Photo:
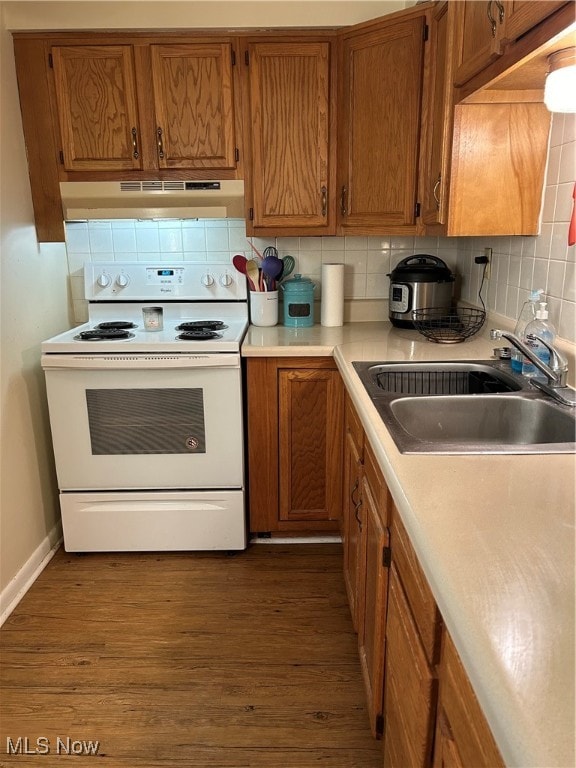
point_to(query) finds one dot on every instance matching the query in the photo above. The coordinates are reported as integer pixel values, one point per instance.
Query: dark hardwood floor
(186, 660)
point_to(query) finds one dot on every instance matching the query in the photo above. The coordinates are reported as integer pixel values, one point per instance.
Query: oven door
(146, 421)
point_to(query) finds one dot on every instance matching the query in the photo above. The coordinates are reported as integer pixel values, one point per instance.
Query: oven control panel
(183, 281)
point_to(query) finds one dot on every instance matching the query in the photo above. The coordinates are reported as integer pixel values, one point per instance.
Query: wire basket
(448, 325)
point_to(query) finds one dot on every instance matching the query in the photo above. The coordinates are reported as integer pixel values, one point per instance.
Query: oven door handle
(106, 362)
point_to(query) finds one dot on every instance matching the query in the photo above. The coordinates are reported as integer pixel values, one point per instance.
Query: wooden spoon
(252, 274)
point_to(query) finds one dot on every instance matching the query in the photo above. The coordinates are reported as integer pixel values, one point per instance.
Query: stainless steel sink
(457, 408)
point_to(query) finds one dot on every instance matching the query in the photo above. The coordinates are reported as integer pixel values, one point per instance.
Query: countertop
(495, 536)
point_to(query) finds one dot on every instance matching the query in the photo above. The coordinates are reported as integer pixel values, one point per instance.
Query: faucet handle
(558, 362)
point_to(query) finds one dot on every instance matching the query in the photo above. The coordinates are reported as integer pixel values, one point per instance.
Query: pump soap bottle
(542, 328)
(527, 314)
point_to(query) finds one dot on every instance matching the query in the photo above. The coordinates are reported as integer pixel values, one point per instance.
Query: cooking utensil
(239, 262)
(256, 251)
(253, 274)
(272, 266)
(270, 250)
(289, 263)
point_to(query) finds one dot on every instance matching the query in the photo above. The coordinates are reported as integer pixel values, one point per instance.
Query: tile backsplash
(518, 264)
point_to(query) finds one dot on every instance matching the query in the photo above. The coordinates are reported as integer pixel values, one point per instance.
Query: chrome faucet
(556, 373)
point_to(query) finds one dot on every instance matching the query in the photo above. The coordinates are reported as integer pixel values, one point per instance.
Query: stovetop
(203, 307)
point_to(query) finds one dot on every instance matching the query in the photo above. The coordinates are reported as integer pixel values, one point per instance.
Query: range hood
(152, 199)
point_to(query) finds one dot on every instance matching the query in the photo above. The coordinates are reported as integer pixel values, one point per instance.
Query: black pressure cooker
(419, 282)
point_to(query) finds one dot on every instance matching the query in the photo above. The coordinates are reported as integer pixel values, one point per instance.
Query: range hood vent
(152, 199)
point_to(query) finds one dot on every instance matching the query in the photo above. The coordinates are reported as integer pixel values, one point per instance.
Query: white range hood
(152, 199)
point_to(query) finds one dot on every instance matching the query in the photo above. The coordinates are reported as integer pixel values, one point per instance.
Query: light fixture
(560, 86)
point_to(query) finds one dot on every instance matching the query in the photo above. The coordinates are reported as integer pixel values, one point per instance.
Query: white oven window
(150, 421)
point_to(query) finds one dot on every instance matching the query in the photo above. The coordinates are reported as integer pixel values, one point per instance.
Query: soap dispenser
(527, 314)
(541, 328)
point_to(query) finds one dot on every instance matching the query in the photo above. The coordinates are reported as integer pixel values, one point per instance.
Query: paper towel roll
(332, 307)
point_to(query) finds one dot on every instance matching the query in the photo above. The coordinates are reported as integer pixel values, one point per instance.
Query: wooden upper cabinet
(439, 119)
(486, 28)
(97, 109)
(379, 130)
(522, 15)
(145, 107)
(194, 105)
(289, 123)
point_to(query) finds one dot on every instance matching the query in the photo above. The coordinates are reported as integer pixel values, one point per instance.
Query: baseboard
(27, 575)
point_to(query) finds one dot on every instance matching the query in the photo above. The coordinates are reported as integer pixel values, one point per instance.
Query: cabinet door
(410, 687)
(289, 125)
(522, 15)
(439, 118)
(310, 444)
(463, 735)
(380, 126)
(194, 105)
(97, 110)
(479, 34)
(352, 510)
(373, 600)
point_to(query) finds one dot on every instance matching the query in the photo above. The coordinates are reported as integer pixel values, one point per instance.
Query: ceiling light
(560, 86)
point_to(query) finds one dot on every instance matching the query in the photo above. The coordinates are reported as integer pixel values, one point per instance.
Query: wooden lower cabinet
(295, 437)
(463, 737)
(412, 650)
(375, 551)
(418, 696)
(352, 512)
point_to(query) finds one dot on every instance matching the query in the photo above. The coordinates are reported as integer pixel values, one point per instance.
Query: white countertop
(495, 536)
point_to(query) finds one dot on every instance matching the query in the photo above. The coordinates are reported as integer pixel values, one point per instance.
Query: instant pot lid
(422, 268)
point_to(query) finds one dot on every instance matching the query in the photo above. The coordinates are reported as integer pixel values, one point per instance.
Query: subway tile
(100, 239)
(564, 202)
(199, 256)
(527, 274)
(556, 278)
(554, 306)
(194, 239)
(124, 240)
(557, 129)
(357, 259)
(355, 243)
(559, 241)
(378, 262)
(309, 263)
(567, 170)
(553, 167)
(567, 324)
(540, 277)
(569, 292)
(402, 243)
(549, 203)
(543, 241)
(512, 301)
(147, 240)
(333, 243)
(514, 270)
(77, 239)
(217, 239)
(378, 243)
(569, 133)
(377, 286)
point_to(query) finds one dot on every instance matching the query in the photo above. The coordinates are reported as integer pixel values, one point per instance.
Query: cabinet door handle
(135, 153)
(491, 18)
(435, 191)
(160, 143)
(357, 516)
(343, 194)
(324, 197)
(500, 11)
(353, 491)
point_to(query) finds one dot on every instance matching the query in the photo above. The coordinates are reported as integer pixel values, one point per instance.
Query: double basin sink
(466, 407)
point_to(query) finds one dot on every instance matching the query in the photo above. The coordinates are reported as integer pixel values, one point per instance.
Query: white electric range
(146, 413)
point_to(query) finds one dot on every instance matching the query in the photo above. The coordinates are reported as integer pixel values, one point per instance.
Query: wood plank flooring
(186, 660)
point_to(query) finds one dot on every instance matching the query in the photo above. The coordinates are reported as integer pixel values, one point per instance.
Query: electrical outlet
(488, 268)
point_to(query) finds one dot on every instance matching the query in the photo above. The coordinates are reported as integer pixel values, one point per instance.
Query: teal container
(298, 302)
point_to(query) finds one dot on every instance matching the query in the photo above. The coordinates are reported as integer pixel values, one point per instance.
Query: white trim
(27, 575)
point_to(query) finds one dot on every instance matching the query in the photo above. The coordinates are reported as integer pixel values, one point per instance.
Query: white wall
(195, 14)
(34, 305)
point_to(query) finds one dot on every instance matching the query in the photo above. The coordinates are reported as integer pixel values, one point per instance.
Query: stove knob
(226, 280)
(122, 281)
(207, 280)
(103, 280)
